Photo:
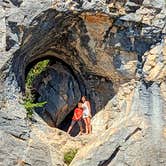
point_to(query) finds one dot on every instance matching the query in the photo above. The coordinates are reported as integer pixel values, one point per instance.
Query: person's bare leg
(89, 125)
(81, 128)
(71, 126)
(86, 125)
(69, 129)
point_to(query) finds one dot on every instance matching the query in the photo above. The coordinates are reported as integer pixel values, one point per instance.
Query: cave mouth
(87, 51)
(53, 81)
(74, 69)
(62, 87)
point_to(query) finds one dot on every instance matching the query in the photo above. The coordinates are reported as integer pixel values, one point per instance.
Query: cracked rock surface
(113, 51)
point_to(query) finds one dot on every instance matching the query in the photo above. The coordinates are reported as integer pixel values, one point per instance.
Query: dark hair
(85, 97)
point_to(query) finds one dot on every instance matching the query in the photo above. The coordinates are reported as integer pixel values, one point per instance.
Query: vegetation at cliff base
(69, 156)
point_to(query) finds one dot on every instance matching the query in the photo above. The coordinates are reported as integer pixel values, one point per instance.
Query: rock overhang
(94, 40)
(92, 43)
(49, 37)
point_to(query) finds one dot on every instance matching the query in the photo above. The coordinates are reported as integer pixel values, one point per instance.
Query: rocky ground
(113, 51)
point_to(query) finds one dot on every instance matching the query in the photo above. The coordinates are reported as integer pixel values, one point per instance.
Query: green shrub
(69, 156)
(35, 71)
(29, 97)
(29, 106)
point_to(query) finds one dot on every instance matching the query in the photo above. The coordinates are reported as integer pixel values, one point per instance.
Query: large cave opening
(82, 61)
(51, 80)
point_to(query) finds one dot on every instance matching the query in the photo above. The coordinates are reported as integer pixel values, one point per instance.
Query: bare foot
(80, 133)
(86, 133)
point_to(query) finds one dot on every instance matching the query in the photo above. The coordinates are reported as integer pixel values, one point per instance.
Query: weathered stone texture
(59, 89)
(116, 51)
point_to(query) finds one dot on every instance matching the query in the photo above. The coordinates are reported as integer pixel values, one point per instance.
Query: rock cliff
(112, 51)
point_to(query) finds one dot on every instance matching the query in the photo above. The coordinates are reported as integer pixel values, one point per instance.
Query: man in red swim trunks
(77, 117)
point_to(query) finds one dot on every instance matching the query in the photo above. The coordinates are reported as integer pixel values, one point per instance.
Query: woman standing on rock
(87, 114)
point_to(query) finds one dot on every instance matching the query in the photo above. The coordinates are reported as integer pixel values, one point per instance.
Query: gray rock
(156, 3)
(59, 89)
(105, 44)
(119, 144)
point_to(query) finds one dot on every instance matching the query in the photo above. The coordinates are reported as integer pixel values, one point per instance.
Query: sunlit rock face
(116, 54)
(131, 123)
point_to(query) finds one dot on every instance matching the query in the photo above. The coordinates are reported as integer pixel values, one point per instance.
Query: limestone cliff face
(113, 51)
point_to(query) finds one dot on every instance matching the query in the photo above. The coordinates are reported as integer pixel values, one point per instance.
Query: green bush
(69, 156)
(29, 97)
(29, 106)
(35, 71)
